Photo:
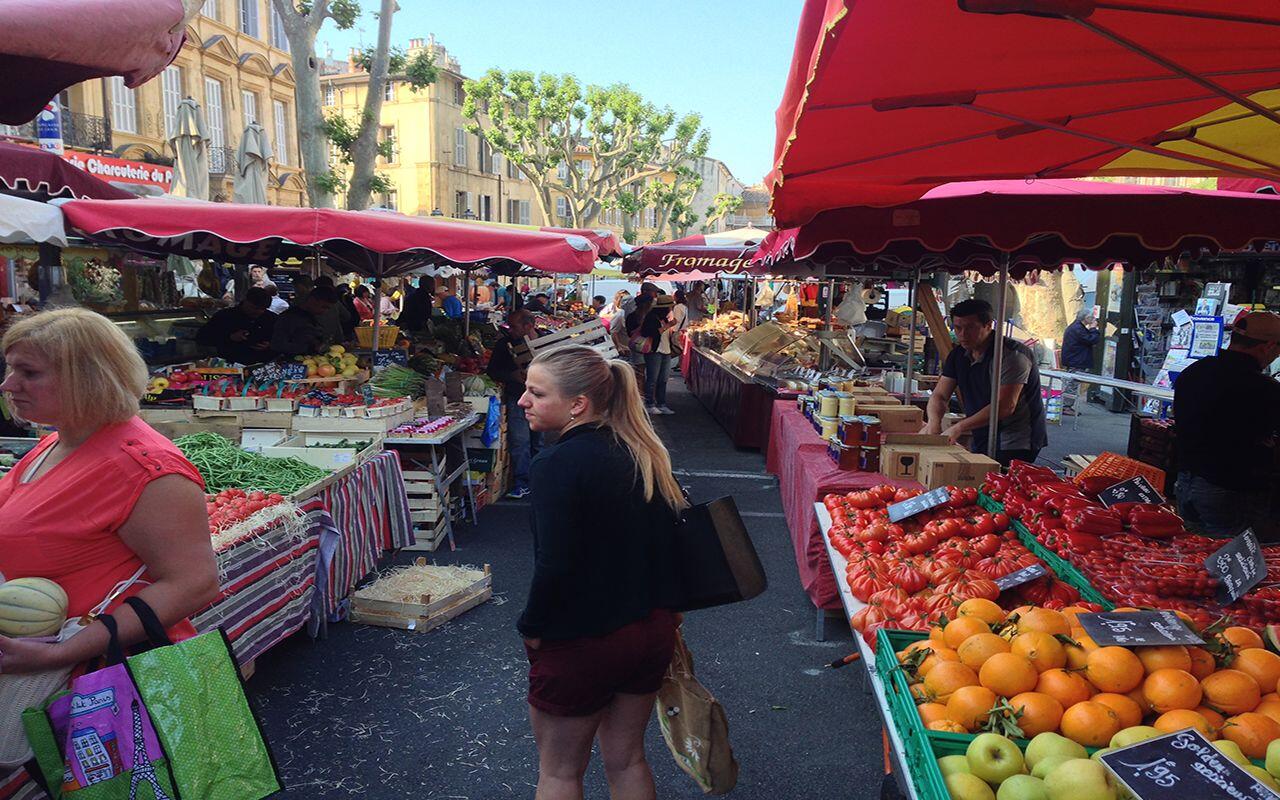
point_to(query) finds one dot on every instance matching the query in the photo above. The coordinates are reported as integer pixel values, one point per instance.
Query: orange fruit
(1008, 674)
(919, 694)
(1231, 691)
(975, 650)
(946, 677)
(1216, 720)
(1078, 654)
(1019, 611)
(1043, 619)
(1039, 713)
(938, 655)
(1167, 689)
(1071, 612)
(1252, 731)
(1068, 688)
(1126, 708)
(1041, 649)
(1172, 656)
(1180, 718)
(1089, 723)
(982, 608)
(932, 711)
(1113, 669)
(1141, 699)
(1242, 637)
(962, 628)
(970, 705)
(1261, 665)
(1270, 706)
(1202, 663)
(946, 726)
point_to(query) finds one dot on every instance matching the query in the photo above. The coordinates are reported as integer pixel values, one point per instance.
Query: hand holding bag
(714, 561)
(694, 725)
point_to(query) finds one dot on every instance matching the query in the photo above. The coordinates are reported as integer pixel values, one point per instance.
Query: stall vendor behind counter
(242, 334)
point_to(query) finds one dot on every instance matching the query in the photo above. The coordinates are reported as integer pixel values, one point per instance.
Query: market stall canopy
(379, 244)
(23, 221)
(888, 98)
(52, 46)
(605, 241)
(729, 251)
(1041, 223)
(35, 173)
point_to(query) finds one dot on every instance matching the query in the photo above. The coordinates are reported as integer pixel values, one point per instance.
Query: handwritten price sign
(1137, 628)
(1182, 765)
(1239, 565)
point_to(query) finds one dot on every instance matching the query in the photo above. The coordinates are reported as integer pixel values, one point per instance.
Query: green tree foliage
(722, 205)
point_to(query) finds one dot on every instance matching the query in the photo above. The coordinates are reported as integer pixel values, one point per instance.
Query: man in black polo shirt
(1228, 414)
(522, 443)
(969, 368)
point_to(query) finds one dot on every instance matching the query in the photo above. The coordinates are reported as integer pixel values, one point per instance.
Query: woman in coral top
(102, 500)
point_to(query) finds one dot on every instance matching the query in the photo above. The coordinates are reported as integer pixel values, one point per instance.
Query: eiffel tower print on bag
(170, 723)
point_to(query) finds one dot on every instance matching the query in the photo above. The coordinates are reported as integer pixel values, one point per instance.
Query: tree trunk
(313, 144)
(364, 153)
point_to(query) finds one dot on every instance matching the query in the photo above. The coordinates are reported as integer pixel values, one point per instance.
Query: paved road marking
(764, 514)
(711, 473)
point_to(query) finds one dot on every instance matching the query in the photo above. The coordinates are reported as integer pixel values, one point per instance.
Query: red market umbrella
(730, 251)
(1044, 223)
(48, 46)
(887, 98)
(31, 171)
(605, 241)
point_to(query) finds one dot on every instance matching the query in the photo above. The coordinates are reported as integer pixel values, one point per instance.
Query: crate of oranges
(1033, 678)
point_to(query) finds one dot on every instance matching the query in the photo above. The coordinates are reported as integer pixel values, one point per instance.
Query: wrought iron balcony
(78, 130)
(222, 161)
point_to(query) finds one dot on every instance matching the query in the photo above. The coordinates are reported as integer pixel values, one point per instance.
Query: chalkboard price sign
(1137, 628)
(1238, 565)
(1182, 765)
(1020, 577)
(921, 502)
(1134, 490)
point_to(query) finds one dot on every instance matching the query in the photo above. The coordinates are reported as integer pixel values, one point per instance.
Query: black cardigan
(599, 547)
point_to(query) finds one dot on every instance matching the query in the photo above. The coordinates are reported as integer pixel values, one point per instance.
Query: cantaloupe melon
(31, 607)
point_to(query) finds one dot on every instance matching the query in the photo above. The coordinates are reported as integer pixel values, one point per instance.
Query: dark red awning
(31, 171)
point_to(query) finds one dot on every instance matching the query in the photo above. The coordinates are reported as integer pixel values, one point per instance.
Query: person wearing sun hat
(1227, 411)
(657, 362)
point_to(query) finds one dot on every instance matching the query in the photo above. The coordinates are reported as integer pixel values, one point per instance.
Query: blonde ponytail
(611, 387)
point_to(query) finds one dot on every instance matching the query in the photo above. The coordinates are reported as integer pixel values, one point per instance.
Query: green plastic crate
(917, 754)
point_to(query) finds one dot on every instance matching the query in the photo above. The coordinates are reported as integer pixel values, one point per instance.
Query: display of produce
(924, 568)
(397, 381)
(31, 607)
(335, 362)
(1134, 554)
(230, 507)
(224, 465)
(422, 428)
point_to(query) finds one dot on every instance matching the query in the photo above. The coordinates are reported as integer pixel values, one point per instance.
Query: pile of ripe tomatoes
(232, 506)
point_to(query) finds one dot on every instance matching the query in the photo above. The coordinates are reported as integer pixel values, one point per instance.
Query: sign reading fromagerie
(695, 259)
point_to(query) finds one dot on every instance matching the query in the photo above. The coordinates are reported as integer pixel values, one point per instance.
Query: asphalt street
(378, 713)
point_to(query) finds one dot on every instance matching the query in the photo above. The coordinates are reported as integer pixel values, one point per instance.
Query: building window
(387, 133)
(584, 167)
(459, 93)
(249, 106)
(391, 200)
(513, 171)
(652, 213)
(329, 95)
(496, 165)
(280, 112)
(389, 91)
(562, 208)
(459, 147)
(486, 207)
(210, 9)
(171, 93)
(249, 17)
(213, 112)
(562, 171)
(483, 156)
(279, 38)
(512, 211)
(124, 107)
(524, 212)
(462, 204)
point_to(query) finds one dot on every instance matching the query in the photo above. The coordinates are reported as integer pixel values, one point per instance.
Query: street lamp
(436, 212)
(469, 215)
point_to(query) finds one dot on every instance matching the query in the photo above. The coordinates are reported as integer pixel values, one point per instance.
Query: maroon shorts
(578, 677)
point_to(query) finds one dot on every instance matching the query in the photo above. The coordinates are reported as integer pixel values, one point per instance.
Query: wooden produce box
(592, 334)
(428, 511)
(425, 611)
(351, 425)
(299, 447)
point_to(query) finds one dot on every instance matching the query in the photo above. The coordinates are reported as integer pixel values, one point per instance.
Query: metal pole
(997, 361)
(377, 304)
(831, 302)
(466, 302)
(750, 296)
(911, 343)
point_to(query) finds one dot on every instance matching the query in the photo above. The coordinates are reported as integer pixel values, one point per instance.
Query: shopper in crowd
(679, 322)
(242, 334)
(656, 327)
(619, 298)
(969, 368)
(447, 301)
(647, 289)
(387, 304)
(538, 304)
(302, 286)
(301, 330)
(597, 304)
(104, 501)
(1228, 413)
(278, 303)
(499, 294)
(597, 632)
(417, 307)
(696, 302)
(630, 334)
(336, 317)
(350, 316)
(363, 302)
(522, 442)
(1078, 341)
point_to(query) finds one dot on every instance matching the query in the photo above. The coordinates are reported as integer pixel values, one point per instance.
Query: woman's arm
(557, 542)
(169, 530)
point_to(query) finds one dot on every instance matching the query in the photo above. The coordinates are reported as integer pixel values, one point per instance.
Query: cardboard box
(894, 418)
(900, 453)
(954, 467)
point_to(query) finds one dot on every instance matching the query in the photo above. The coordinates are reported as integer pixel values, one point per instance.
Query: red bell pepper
(1097, 521)
(1083, 542)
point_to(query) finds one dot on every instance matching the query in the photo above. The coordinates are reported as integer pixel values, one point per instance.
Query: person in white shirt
(278, 303)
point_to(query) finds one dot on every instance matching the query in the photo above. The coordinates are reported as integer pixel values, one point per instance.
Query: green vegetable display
(343, 443)
(396, 381)
(223, 465)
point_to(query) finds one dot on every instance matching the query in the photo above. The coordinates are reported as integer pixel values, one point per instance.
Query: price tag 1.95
(1137, 628)
(921, 502)
(1182, 765)
(1134, 490)
(1239, 565)
(1020, 577)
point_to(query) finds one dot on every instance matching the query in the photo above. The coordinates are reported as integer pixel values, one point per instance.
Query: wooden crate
(1075, 464)
(427, 537)
(427, 614)
(592, 334)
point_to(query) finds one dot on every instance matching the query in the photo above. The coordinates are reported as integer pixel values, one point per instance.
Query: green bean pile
(223, 465)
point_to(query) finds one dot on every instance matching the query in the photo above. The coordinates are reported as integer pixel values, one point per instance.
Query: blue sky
(726, 59)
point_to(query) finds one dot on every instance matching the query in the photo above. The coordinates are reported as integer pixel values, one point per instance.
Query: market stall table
(411, 448)
(735, 400)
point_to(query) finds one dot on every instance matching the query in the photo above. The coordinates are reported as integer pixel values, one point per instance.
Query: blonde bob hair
(99, 370)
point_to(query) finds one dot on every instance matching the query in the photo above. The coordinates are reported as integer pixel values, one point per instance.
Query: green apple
(948, 765)
(1022, 787)
(1100, 752)
(1052, 744)
(1263, 776)
(1048, 764)
(993, 757)
(1080, 779)
(1273, 758)
(1135, 734)
(963, 786)
(1233, 751)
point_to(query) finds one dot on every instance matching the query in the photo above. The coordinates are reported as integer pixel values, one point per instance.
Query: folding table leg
(440, 493)
(820, 628)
